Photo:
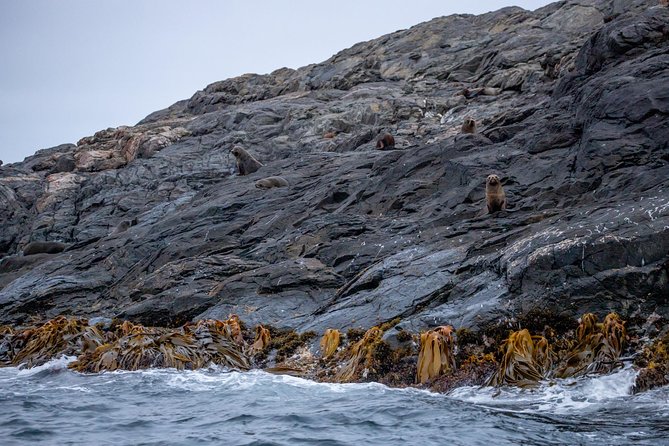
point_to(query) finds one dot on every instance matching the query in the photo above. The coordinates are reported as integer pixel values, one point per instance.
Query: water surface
(52, 405)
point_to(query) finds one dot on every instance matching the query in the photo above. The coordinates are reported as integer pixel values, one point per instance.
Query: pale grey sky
(72, 67)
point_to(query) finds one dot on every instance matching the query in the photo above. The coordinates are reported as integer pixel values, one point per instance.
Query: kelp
(287, 342)
(598, 347)
(234, 328)
(7, 347)
(261, 341)
(653, 365)
(359, 359)
(436, 354)
(191, 347)
(57, 337)
(523, 359)
(330, 343)
(473, 371)
(525, 362)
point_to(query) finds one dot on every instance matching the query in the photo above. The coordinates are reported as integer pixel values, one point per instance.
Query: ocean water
(52, 405)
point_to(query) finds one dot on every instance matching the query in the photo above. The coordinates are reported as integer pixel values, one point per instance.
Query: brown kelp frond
(526, 360)
(216, 338)
(653, 363)
(127, 328)
(261, 340)
(598, 347)
(234, 328)
(615, 333)
(191, 347)
(587, 326)
(59, 336)
(330, 342)
(436, 355)
(359, 359)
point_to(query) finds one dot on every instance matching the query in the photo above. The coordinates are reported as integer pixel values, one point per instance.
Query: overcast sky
(72, 67)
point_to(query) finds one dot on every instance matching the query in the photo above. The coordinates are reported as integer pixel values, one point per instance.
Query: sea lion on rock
(124, 225)
(386, 142)
(246, 164)
(43, 248)
(494, 194)
(271, 182)
(15, 263)
(469, 126)
(471, 93)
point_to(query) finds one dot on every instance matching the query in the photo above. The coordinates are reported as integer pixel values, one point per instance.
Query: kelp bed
(440, 359)
(126, 346)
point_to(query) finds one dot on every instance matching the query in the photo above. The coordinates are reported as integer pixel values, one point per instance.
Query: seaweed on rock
(59, 336)
(330, 342)
(191, 347)
(527, 359)
(653, 363)
(436, 355)
(598, 347)
(361, 358)
(261, 340)
(287, 342)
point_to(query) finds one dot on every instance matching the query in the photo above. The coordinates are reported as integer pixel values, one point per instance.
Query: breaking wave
(53, 405)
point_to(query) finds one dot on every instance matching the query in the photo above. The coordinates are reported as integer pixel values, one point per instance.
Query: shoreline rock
(571, 113)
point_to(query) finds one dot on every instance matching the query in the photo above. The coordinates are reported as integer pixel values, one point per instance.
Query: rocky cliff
(572, 106)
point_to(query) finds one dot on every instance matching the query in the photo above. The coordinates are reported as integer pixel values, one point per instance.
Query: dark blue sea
(52, 405)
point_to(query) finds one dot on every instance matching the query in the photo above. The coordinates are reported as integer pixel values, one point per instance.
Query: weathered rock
(576, 129)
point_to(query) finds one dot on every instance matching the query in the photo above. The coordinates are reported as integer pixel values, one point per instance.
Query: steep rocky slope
(577, 128)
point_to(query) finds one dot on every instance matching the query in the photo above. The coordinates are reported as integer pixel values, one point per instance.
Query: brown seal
(470, 93)
(246, 164)
(270, 182)
(386, 142)
(124, 225)
(469, 126)
(43, 248)
(494, 194)
(15, 263)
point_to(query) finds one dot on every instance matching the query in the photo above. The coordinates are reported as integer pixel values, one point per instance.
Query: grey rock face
(572, 114)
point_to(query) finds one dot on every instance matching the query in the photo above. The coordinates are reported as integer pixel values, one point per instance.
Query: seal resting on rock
(470, 93)
(386, 142)
(271, 182)
(124, 225)
(15, 263)
(494, 194)
(43, 248)
(469, 126)
(246, 164)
